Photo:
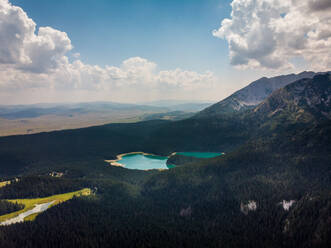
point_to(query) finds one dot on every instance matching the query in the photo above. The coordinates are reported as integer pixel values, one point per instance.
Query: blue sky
(147, 50)
(172, 33)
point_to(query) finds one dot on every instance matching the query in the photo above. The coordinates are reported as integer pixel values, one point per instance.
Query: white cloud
(320, 5)
(133, 73)
(76, 55)
(271, 33)
(38, 59)
(23, 48)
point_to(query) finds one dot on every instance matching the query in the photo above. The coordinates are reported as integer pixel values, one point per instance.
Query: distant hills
(34, 118)
(253, 94)
(66, 109)
(180, 105)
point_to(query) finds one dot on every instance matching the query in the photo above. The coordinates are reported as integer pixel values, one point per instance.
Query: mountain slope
(252, 94)
(306, 100)
(286, 160)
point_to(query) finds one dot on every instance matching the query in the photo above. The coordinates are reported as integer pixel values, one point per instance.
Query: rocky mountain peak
(305, 99)
(253, 94)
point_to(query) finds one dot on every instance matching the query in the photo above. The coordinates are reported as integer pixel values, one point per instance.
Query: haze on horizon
(141, 51)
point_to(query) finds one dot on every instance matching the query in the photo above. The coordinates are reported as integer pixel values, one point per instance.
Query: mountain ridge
(253, 94)
(306, 99)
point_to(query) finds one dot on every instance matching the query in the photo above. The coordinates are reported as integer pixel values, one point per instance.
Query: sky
(147, 50)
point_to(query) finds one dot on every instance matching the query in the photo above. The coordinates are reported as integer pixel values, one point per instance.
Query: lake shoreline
(119, 157)
(114, 162)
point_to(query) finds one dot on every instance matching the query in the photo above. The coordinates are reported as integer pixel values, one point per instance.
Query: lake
(143, 162)
(201, 154)
(140, 161)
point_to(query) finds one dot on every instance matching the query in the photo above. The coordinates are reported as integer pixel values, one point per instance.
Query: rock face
(186, 212)
(303, 100)
(253, 94)
(287, 204)
(250, 206)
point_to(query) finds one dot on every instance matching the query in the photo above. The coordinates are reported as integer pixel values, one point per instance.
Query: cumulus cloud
(23, 48)
(271, 33)
(320, 5)
(31, 58)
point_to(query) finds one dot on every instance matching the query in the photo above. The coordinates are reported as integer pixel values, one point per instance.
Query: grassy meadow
(30, 203)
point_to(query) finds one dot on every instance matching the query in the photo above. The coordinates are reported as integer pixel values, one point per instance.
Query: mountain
(304, 100)
(272, 188)
(253, 94)
(302, 104)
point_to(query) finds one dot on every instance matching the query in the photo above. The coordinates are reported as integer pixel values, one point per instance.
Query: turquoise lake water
(148, 162)
(143, 162)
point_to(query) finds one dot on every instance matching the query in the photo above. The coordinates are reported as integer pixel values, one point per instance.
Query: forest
(269, 160)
